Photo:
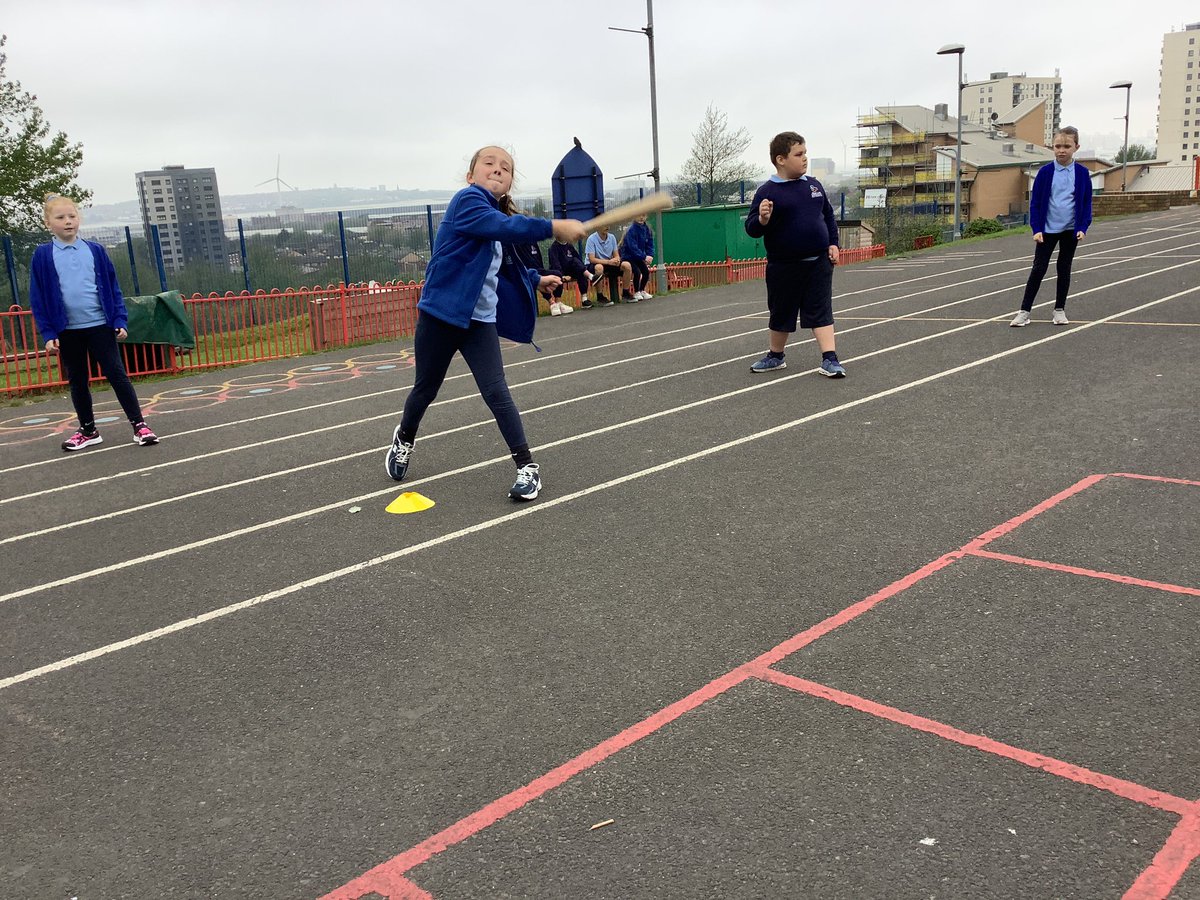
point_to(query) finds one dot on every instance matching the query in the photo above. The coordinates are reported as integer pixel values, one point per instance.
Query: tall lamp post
(957, 50)
(1125, 152)
(654, 173)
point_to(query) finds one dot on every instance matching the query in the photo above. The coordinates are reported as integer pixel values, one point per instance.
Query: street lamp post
(654, 173)
(1125, 152)
(957, 50)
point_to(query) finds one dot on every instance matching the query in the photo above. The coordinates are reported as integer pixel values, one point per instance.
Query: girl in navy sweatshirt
(476, 291)
(80, 313)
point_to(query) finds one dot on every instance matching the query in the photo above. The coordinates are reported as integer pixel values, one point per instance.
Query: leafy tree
(1136, 152)
(716, 163)
(33, 162)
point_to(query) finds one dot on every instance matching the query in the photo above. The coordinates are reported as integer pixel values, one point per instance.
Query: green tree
(716, 162)
(1136, 152)
(33, 162)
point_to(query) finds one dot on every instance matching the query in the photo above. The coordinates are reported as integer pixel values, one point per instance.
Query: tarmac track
(926, 631)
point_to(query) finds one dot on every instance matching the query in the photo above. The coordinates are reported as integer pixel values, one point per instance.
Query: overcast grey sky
(366, 92)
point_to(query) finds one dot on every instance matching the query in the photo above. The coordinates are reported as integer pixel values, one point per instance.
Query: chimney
(942, 110)
(1008, 149)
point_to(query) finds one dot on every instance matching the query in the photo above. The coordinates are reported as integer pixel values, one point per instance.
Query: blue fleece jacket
(45, 292)
(802, 223)
(638, 242)
(1039, 199)
(462, 254)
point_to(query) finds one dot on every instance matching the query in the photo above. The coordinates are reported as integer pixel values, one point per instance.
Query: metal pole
(958, 160)
(658, 220)
(345, 261)
(158, 258)
(429, 226)
(11, 265)
(137, 288)
(245, 261)
(1125, 158)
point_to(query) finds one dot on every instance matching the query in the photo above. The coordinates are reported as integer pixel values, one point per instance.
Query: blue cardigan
(462, 255)
(1039, 200)
(45, 292)
(639, 241)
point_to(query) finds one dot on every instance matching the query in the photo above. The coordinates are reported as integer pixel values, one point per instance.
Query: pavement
(926, 631)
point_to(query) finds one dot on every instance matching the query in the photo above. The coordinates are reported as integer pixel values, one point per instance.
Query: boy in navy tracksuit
(1060, 211)
(795, 219)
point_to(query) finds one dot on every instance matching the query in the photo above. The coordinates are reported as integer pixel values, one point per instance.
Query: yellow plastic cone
(409, 502)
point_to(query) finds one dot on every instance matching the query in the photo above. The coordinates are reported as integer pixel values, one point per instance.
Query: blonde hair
(52, 199)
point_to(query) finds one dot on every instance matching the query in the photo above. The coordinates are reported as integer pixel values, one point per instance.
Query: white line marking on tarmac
(541, 507)
(916, 315)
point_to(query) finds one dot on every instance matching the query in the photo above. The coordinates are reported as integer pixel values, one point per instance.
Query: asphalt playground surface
(930, 630)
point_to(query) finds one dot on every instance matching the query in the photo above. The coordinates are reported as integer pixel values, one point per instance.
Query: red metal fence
(232, 329)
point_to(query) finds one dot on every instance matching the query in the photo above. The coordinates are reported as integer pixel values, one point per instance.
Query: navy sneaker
(398, 455)
(769, 363)
(528, 484)
(832, 368)
(601, 300)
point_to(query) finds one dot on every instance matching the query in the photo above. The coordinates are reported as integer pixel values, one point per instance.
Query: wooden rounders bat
(627, 212)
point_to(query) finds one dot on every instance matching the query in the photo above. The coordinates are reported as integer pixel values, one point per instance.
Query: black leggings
(435, 344)
(641, 273)
(75, 345)
(1041, 262)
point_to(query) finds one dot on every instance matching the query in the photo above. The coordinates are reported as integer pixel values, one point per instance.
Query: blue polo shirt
(603, 248)
(485, 305)
(76, 269)
(1060, 215)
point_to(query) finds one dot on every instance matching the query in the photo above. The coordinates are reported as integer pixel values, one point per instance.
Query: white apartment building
(185, 205)
(1179, 96)
(1001, 92)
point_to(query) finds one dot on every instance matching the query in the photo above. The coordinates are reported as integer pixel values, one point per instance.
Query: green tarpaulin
(160, 319)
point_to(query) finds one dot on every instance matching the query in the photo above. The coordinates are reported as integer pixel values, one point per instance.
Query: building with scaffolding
(907, 157)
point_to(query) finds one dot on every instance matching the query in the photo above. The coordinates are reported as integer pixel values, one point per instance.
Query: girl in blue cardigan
(80, 313)
(1060, 211)
(476, 291)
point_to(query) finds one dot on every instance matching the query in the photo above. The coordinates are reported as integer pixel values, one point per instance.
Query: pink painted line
(1017, 521)
(804, 638)
(1090, 573)
(1155, 478)
(1126, 789)
(391, 870)
(1181, 849)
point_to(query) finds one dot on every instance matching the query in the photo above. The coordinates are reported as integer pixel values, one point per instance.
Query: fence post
(158, 258)
(345, 259)
(10, 264)
(728, 269)
(742, 185)
(137, 287)
(843, 218)
(345, 312)
(429, 225)
(699, 195)
(245, 261)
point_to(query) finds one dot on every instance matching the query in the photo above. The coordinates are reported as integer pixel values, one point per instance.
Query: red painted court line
(388, 876)
(1126, 789)
(1181, 850)
(393, 869)
(1017, 521)
(1090, 573)
(1155, 478)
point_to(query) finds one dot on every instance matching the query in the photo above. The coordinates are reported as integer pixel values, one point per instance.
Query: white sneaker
(566, 308)
(642, 295)
(1060, 317)
(555, 308)
(1021, 319)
